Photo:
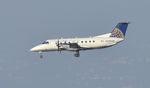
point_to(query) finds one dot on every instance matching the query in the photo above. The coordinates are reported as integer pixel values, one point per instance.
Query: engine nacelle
(64, 45)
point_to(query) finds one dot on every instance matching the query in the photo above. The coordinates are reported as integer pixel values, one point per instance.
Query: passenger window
(81, 41)
(93, 41)
(89, 41)
(85, 41)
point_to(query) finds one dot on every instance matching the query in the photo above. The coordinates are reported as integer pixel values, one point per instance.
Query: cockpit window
(45, 42)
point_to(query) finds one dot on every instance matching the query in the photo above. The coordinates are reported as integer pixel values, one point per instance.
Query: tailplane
(120, 30)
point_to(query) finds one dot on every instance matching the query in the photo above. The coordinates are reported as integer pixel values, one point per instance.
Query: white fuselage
(78, 44)
(86, 43)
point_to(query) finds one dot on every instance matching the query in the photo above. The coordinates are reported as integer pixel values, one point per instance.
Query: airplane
(78, 44)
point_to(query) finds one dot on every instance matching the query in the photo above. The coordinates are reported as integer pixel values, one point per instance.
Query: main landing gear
(77, 54)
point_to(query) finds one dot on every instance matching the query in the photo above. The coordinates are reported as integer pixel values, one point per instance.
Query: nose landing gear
(41, 54)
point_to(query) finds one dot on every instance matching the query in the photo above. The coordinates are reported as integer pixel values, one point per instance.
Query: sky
(26, 23)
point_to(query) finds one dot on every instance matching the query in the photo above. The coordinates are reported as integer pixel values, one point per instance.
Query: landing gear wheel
(77, 54)
(41, 56)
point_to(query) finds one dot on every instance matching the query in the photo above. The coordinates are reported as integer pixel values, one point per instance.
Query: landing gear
(77, 54)
(41, 55)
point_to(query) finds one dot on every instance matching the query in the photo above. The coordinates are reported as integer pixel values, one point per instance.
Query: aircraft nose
(32, 49)
(35, 49)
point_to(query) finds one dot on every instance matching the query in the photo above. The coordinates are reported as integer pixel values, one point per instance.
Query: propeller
(58, 45)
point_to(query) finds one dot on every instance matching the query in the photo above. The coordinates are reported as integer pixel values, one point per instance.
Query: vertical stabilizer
(120, 30)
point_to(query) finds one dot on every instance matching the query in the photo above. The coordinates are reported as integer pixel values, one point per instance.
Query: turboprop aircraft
(78, 44)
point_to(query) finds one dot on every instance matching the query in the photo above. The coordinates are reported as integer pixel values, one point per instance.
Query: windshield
(45, 42)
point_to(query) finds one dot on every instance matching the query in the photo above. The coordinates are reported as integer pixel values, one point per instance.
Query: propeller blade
(58, 45)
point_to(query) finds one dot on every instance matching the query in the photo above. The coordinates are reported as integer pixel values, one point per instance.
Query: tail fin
(120, 30)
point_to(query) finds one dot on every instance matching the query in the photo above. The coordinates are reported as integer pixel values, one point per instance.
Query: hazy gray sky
(26, 23)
